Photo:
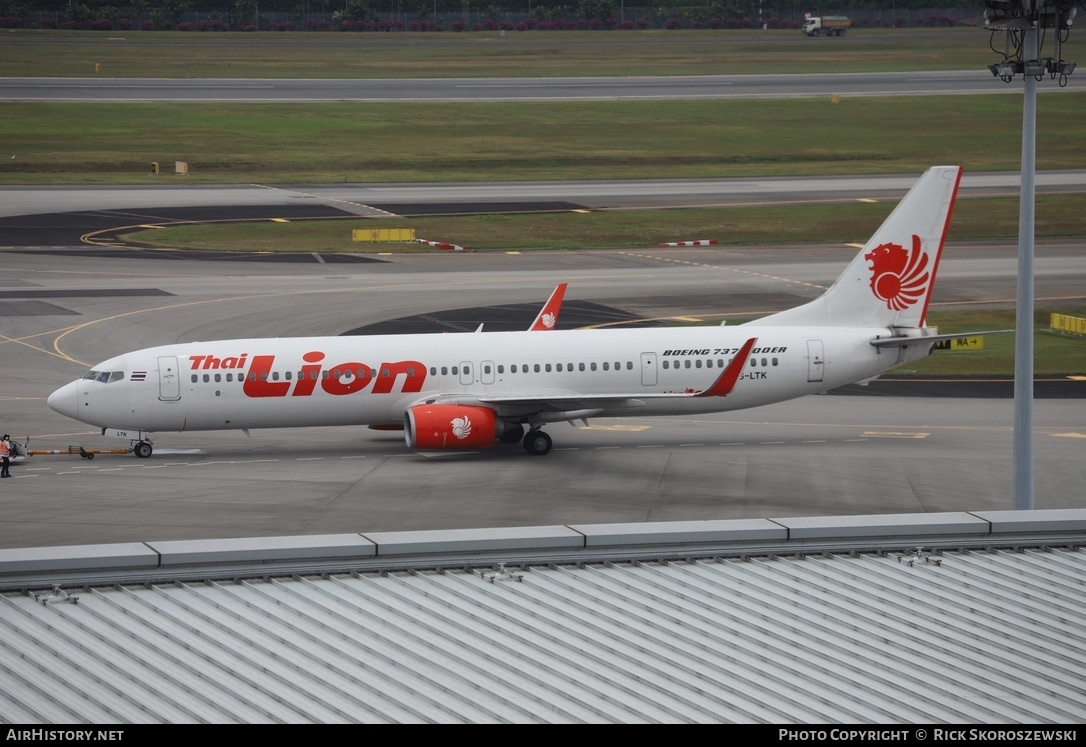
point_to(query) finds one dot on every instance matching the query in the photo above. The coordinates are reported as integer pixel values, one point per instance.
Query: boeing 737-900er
(466, 391)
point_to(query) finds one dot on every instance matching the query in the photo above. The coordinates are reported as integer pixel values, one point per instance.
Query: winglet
(548, 315)
(730, 376)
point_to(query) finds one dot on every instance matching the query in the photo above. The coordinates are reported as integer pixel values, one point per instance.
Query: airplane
(471, 390)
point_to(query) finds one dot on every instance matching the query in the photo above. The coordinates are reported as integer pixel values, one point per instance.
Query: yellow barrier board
(383, 234)
(1070, 325)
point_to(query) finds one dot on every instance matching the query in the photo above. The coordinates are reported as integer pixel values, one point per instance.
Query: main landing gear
(537, 443)
(142, 449)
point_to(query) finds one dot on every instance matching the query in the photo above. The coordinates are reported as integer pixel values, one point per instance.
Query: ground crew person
(5, 455)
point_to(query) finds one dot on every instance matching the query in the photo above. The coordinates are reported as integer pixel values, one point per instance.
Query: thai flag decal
(138, 376)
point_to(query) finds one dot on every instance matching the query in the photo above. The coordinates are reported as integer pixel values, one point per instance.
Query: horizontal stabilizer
(904, 340)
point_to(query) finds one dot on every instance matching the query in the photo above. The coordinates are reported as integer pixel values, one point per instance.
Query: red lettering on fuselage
(206, 362)
(343, 378)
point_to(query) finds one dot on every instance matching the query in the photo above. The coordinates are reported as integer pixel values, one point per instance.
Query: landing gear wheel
(142, 450)
(537, 443)
(512, 434)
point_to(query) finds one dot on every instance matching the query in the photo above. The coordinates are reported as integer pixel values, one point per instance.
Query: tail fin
(890, 282)
(548, 315)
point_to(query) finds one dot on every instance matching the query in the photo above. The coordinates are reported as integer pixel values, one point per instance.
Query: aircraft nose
(65, 400)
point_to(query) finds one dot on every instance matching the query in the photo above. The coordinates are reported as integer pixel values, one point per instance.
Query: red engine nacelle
(450, 427)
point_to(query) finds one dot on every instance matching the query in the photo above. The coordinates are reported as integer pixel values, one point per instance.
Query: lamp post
(1022, 21)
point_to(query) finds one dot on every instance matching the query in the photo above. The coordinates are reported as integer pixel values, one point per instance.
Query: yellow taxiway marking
(895, 434)
(279, 220)
(1070, 435)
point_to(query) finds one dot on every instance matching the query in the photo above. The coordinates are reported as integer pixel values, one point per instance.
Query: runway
(62, 311)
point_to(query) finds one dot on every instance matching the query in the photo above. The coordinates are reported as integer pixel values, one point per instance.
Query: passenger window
(230, 376)
(195, 378)
(444, 370)
(592, 366)
(547, 367)
(218, 378)
(580, 366)
(275, 376)
(558, 367)
(537, 368)
(207, 378)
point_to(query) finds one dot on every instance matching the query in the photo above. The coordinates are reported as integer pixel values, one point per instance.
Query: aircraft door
(486, 372)
(648, 369)
(816, 360)
(169, 378)
(466, 377)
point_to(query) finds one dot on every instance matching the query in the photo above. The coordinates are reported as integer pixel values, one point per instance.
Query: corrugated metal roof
(970, 635)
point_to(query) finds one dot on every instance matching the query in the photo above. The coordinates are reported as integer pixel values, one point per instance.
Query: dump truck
(828, 25)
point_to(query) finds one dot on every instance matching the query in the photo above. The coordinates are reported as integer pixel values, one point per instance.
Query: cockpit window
(104, 377)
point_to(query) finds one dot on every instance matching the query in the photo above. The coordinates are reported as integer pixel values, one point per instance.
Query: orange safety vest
(5, 449)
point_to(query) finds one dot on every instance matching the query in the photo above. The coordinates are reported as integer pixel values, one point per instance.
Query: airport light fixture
(1021, 22)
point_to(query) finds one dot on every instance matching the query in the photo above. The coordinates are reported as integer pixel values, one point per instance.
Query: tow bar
(141, 449)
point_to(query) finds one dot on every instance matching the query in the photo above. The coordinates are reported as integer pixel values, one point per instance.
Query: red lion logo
(898, 276)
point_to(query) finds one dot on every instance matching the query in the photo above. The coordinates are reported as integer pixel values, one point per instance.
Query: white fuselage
(320, 381)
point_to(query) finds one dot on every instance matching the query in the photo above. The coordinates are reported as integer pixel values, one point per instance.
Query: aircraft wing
(588, 405)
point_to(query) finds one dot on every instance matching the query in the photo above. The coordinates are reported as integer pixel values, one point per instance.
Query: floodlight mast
(1022, 21)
